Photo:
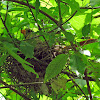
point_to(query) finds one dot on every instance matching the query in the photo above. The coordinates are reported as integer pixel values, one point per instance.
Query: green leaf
(74, 5)
(1, 26)
(2, 59)
(55, 66)
(86, 30)
(69, 36)
(51, 39)
(8, 22)
(37, 4)
(57, 84)
(27, 49)
(53, 3)
(94, 2)
(77, 62)
(26, 65)
(17, 9)
(22, 23)
(80, 82)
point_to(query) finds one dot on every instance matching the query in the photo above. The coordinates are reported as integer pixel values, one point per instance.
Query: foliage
(70, 73)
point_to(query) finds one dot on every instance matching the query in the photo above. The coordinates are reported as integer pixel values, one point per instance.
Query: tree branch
(11, 88)
(23, 84)
(23, 3)
(33, 15)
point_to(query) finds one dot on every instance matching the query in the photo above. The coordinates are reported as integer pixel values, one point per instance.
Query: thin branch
(11, 88)
(64, 2)
(24, 84)
(60, 18)
(78, 87)
(33, 15)
(70, 17)
(23, 3)
(75, 76)
(5, 26)
(90, 7)
(88, 86)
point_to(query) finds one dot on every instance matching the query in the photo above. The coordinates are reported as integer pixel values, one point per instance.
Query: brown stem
(5, 26)
(88, 86)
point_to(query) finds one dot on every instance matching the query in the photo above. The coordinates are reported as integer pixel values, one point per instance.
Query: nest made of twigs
(44, 56)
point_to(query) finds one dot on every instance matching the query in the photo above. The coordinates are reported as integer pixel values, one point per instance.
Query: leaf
(27, 49)
(80, 82)
(57, 84)
(86, 30)
(22, 23)
(2, 59)
(17, 9)
(26, 65)
(53, 3)
(51, 39)
(94, 2)
(74, 5)
(77, 62)
(69, 36)
(44, 89)
(1, 26)
(55, 66)
(37, 4)
(8, 22)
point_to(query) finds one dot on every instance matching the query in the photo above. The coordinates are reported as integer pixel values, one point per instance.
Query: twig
(24, 84)
(88, 86)
(23, 3)
(33, 15)
(5, 27)
(90, 7)
(78, 87)
(70, 17)
(75, 76)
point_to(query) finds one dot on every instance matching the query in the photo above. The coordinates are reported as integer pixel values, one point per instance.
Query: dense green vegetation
(50, 49)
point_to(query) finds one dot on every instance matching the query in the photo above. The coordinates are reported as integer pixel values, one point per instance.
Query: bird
(28, 33)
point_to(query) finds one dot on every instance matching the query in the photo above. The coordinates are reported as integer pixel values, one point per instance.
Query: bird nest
(44, 56)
